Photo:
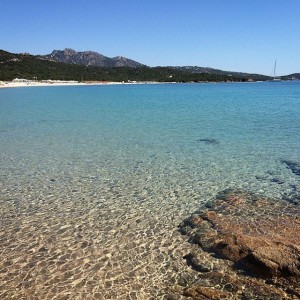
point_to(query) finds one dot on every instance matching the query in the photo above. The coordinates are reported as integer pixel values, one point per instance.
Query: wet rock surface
(248, 247)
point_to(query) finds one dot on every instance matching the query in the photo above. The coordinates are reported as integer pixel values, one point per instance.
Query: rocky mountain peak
(90, 58)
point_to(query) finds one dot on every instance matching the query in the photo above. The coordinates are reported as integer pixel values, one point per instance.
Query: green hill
(32, 67)
(195, 69)
(294, 76)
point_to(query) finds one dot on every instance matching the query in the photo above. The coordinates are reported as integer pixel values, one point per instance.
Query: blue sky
(237, 35)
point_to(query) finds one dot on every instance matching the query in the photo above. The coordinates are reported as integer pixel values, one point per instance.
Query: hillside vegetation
(31, 67)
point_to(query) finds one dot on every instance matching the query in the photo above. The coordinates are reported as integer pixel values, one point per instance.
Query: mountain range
(69, 64)
(90, 58)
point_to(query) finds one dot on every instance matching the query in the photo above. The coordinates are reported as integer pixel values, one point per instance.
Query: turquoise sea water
(102, 175)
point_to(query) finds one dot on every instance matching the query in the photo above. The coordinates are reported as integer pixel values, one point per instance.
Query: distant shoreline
(32, 83)
(45, 83)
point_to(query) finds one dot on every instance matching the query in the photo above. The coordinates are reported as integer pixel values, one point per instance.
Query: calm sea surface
(95, 179)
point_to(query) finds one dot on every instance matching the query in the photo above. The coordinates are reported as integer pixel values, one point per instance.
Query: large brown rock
(260, 238)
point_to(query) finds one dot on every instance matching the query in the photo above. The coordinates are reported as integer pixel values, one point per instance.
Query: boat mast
(275, 68)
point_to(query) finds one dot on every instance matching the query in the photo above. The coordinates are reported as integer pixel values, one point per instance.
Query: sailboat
(274, 74)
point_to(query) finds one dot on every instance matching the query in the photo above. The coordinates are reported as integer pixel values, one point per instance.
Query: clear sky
(236, 35)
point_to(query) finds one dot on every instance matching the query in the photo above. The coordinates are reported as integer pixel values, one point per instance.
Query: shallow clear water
(95, 179)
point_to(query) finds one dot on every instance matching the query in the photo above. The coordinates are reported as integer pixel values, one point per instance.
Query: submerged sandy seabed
(91, 239)
(97, 229)
(107, 234)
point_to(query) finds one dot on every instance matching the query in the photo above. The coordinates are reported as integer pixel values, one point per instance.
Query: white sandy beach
(32, 83)
(27, 83)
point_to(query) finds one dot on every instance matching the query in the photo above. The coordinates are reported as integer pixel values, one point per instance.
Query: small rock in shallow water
(292, 197)
(293, 166)
(208, 141)
(170, 297)
(201, 293)
(197, 263)
(276, 180)
(209, 204)
(43, 249)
